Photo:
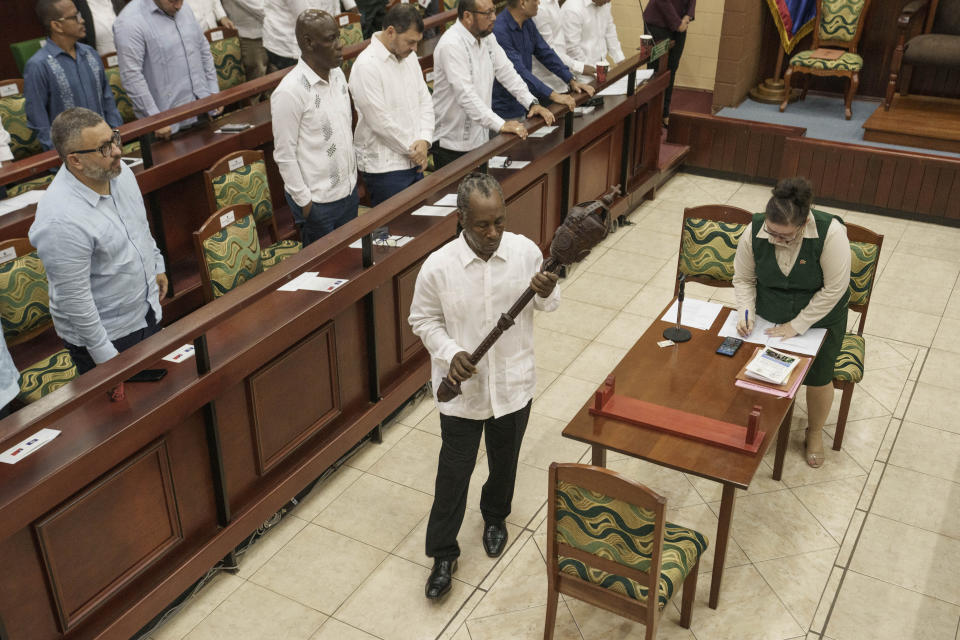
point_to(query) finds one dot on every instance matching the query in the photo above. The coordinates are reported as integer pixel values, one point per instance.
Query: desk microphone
(678, 333)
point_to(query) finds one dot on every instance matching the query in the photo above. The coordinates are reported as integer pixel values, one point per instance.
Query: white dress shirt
(551, 28)
(280, 22)
(458, 299)
(6, 155)
(247, 15)
(313, 135)
(463, 73)
(394, 108)
(207, 12)
(103, 17)
(589, 32)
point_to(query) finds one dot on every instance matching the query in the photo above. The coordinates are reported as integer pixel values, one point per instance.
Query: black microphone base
(677, 334)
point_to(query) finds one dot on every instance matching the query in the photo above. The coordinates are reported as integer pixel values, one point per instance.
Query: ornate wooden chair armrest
(910, 11)
(905, 22)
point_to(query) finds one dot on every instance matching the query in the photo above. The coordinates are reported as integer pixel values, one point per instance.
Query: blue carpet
(823, 118)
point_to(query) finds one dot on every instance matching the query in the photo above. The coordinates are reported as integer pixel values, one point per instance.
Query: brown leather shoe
(494, 538)
(438, 584)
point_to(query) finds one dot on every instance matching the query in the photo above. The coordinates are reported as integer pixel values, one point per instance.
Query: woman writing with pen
(793, 269)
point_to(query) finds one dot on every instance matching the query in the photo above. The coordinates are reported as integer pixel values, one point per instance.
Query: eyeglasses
(487, 13)
(507, 162)
(75, 17)
(107, 147)
(783, 237)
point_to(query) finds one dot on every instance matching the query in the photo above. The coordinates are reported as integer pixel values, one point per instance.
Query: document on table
(449, 200)
(619, 88)
(806, 343)
(389, 241)
(19, 202)
(698, 314)
(542, 132)
(497, 162)
(434, 210)
(22, 449)
(312, 281)
(294, 284)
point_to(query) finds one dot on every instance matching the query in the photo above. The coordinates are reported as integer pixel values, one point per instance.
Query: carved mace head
(583, 228)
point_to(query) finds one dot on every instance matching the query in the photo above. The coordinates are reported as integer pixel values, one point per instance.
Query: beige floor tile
(775, 525)
(798, 581)
(885, 385)
(889, 437)
(702, 519)
(554, 350)
(862, 439)
(391, 604)
(526, 624)
(905, 293)
(576, 318)
(624, 330)
(672, 485)
(505, 561)
(595, 362)
(543, 443)
(749, 609)
(832, 502)
(666, 220)
(762, 482)
(457, 627)
(544, 379)
(474, 565)
(930, 451)
(599, 624)
(946, 335)
(724, 295)
(924, 269)
(319, 568)
(414, 411)
(826, 601)
(411, 462)
(932, 236)
(837, 464)
(627, 266)
(602, 291)
(904, 325)
(889, 613)
(870, 486)
(198, 607)
(268, 544)
(935, 406)
(891, 228)
(564, 398)
(252, 612)
(529, 494)
(523, 584)
(850, 537)
(887, 353)
(333, 629)
(370, 452)
(666, 278)
(919, 500)
(390, 511)
(940, 369)
(650, 302)
(663, 246)
(952, 309)
(912, 558)
(325, 491)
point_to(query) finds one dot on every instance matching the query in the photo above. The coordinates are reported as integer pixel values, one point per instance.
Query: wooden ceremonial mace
(583, 228)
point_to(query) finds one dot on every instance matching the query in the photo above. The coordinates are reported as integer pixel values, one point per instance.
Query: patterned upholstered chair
(708, 243)
(29, 185)
(23, 50)
(351, 32)
(936, 45)
(225, 48)
(864, 253)
(839, 27)
(25, 309)
(228, 249)
(609, 544)
(124, 104)
(241, 177)
(13, 113)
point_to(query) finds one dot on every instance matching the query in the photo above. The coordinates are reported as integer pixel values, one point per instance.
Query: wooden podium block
(746, 438)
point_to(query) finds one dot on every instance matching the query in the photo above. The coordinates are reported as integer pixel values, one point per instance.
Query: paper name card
(389, 241)
(227, 218)
(235, 163)
(22, 449)
(7, 255)
(344, 20)
(320, 283)
(216, 36)
(449, 200)
(294, 284)
(428, 76)
(8, 90)
(185, 352)
(542, 132)
(503, 162)
(434, 210)
(113, 61)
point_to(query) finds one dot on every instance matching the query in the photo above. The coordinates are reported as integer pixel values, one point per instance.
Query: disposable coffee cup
(646, 46)
(601, 68)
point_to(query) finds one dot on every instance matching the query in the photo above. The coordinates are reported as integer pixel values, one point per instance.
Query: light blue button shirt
(101, 261)
(164, 62)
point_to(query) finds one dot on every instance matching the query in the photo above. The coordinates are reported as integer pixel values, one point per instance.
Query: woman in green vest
(793, 269)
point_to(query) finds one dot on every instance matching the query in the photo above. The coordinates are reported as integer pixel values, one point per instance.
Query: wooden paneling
(287, 409)
(527, 211)
(135, 508)
(594, 167)
(403, 285)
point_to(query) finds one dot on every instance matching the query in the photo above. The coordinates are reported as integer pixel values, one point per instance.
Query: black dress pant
(84, 361)
(673, 60)
(458, 455)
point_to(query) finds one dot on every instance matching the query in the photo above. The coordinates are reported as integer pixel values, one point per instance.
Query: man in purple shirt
(668, 20)
(521, 41)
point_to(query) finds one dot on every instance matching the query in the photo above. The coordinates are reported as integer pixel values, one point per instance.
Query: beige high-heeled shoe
(814, 459)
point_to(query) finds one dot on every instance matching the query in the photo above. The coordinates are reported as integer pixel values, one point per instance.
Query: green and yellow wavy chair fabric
(351, 32)
(846, 62)
(29, 185)
(232, 255)
(13, 113)
(124, 104)
(709, 236)
(46, 376)
(227, 58)
(848, 369)
(840, 19)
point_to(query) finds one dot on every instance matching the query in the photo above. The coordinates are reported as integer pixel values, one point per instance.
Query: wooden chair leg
(851, 90)
(786, 87)
(548, 626)
(689, 594)
(806, 86)
(842, 416)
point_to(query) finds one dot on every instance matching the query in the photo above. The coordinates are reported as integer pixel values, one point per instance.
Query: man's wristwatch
(533, 104)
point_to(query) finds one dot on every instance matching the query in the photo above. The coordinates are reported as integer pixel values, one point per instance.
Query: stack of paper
(807, 343)
(771, 366)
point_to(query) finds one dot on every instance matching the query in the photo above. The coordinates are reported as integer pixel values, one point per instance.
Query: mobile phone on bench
(148, 375)
(729, 346)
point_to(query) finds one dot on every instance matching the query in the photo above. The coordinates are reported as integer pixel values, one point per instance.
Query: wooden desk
(690, 377)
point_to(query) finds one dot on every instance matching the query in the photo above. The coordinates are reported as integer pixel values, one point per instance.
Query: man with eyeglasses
(164, 59)
(104, 270)
(64, 73)
(465, 63)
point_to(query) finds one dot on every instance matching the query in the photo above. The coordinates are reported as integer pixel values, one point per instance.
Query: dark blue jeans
(324, 217)
(83, 360)
(383, 186)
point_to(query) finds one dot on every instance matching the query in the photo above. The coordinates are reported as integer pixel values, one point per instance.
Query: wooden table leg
(783, 439)
(720, 548)
(599, 456)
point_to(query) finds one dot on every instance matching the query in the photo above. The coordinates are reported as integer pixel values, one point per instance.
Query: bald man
(312, 131)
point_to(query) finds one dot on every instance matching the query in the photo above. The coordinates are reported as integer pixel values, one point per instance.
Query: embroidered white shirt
(313, 135)
(394, 108)
(464, 69)
(551, 28)
(589, 32)
(458, 299)
(280, 22)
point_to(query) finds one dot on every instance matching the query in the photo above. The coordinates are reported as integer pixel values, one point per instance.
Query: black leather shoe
(438, 584)
(494, 538)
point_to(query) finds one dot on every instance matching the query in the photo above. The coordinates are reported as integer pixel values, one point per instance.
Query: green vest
(780, 298)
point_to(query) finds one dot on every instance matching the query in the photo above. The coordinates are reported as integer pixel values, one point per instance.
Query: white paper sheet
(320, 283)
(806, 343)
(433, 210)
(542, 132)
(698, 314)
(449, 200)
(619, 88)
(391, 241)
(22, 449)
(19, 202)
(496, 162)
(294, 284)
